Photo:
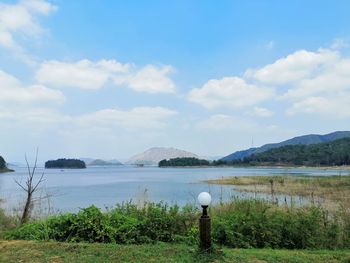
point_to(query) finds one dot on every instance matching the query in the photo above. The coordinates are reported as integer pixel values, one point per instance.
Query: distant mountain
(87, 160)
(336, 152)
(154, 155)
(99, 162)
(300, 140)
(16, 164)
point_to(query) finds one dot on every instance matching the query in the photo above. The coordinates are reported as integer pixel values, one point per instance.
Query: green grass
(34, 251)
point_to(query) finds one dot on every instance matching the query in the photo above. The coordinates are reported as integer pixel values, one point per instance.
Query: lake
(71, 189)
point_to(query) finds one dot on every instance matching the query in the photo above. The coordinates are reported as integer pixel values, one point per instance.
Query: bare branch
(20, 185)
(29, 188)
(39, 182)
(28, 167)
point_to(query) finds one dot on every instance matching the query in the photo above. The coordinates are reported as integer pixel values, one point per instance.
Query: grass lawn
(32, 251)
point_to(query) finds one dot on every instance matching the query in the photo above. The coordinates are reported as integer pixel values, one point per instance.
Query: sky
(109, 79)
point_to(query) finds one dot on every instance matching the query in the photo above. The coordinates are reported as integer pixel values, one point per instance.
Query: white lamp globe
(204, 198)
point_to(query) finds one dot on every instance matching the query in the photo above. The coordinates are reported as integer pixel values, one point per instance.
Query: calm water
(106, 186)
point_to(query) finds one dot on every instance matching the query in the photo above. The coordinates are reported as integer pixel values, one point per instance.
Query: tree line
(321, 154)
(185, 161)
(65, 163)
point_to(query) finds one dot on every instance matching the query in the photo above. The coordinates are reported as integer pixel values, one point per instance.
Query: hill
(154, 155)
(327, 154)
(65, 164)
(99, 162)
(300, 140)
(3, 166)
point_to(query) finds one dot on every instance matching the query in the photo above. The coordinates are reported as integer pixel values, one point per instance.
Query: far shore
(6, 170)
(329, 191)
(336, 167)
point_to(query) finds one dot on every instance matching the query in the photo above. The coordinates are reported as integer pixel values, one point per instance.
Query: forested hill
(305, 140)
(327, 154)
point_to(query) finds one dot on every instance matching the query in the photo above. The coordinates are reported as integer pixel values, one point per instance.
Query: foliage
(240, 223)
(65, 163)
(184, 161)
(125, 224)
(259, 224)
(6, 222)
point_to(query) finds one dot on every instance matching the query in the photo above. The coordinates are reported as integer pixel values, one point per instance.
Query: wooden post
(205, 230)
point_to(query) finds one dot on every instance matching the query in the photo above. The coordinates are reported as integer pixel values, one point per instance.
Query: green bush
(6, 222)
(125, 224)
(240, 223)
(258, 224)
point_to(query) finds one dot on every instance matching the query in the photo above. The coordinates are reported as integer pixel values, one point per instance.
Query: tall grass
(6, 223)
(239, 223)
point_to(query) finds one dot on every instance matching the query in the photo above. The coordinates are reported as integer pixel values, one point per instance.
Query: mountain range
(304, 140)
(100, 162)
(154, 155)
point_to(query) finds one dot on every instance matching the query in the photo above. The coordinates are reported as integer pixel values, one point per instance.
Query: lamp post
(204, 199)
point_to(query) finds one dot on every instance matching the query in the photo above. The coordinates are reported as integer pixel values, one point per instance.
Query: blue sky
(109, 79)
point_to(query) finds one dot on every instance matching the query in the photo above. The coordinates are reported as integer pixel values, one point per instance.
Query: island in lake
(65, 164)
(3, 166)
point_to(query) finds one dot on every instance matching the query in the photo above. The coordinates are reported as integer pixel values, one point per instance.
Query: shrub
(240, 223)
(6, 222)
(257, 223)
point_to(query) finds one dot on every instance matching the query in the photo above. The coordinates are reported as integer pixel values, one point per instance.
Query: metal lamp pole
(204, 199)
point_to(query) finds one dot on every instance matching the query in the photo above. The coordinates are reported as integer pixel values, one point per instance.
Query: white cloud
(307, 82)
(136, 118)
(334, 107)
(326, 93)
(310, 82)
(111, 121)
(12, 91)
(83, 74)
(21, 19)
(150, 79)
(222, 122)
(260, 112)
(339, 43)
(301, 64)
(230, 92)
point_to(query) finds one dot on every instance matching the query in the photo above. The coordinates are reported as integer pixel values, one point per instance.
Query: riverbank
(267, 166)
(6, 170)
(329, 191)
(31, 251)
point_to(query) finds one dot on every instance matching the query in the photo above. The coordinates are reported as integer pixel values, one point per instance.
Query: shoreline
(345, 167)
(329, 191)
(6, 170)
